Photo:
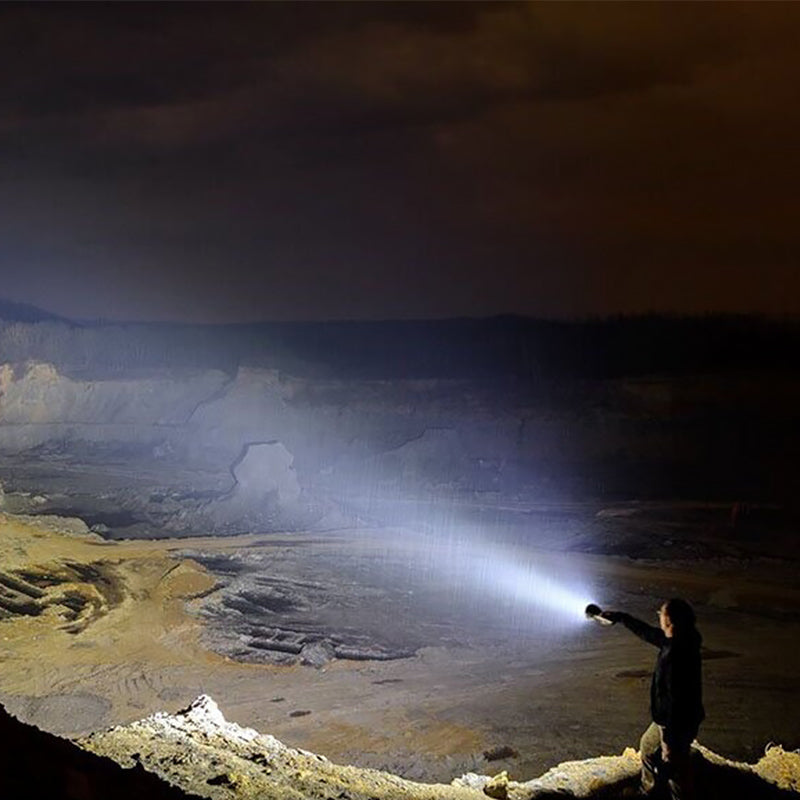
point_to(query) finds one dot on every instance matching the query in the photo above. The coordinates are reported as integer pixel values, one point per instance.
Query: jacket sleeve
(648, 633)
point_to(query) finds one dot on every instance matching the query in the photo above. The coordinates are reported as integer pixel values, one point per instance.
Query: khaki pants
(675, 772)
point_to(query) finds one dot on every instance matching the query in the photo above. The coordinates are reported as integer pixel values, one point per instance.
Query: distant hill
(11, 311)
(507, 347)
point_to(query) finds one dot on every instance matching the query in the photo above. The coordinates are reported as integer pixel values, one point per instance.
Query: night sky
(237, 162)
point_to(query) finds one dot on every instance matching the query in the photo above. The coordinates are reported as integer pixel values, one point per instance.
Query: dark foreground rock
(35, 764)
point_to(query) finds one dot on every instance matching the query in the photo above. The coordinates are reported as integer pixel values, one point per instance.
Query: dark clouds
(300, 160)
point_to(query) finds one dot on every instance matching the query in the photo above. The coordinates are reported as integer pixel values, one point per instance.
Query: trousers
(674, 772)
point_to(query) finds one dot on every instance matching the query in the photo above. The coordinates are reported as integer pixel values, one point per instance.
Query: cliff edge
(198, 753)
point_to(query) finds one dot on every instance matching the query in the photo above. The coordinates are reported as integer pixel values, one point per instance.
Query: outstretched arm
(649, 633)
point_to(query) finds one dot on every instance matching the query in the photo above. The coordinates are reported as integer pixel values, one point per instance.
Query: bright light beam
(530, 586)
(484, 568)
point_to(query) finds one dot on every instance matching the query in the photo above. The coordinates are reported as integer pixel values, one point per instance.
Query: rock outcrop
(197, 753)
(198, 750)
(40, 406)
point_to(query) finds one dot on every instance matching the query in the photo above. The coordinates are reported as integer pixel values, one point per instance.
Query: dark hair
(680, 614)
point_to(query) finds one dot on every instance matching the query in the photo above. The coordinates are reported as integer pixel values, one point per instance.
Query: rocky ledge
(197, 753)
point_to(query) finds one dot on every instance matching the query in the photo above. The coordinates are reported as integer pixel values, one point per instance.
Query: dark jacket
(676, 694)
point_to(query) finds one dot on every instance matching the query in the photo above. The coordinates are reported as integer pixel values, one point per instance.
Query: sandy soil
(124, 638)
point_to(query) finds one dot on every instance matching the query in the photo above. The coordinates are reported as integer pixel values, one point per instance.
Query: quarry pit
(360, 566)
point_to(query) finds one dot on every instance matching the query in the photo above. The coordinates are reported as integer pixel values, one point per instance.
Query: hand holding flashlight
(603, 617)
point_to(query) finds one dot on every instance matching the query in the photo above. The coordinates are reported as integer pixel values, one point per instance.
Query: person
(676, 701)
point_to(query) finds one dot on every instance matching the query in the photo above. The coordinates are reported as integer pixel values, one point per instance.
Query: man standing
(676, 702)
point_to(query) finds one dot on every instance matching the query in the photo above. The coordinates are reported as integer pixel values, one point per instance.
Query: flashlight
(596, 613)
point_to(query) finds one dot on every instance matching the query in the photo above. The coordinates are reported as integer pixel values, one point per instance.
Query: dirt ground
(95, 633)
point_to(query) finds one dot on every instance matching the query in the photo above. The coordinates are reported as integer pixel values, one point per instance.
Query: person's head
(676, 617)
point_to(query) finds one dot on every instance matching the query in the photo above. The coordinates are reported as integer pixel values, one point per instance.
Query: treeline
(511, 347)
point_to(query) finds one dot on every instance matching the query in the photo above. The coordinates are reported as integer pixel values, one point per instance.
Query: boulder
(317, 654)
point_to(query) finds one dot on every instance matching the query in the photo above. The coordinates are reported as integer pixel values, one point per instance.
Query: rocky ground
(198, 753)
(461, 676)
